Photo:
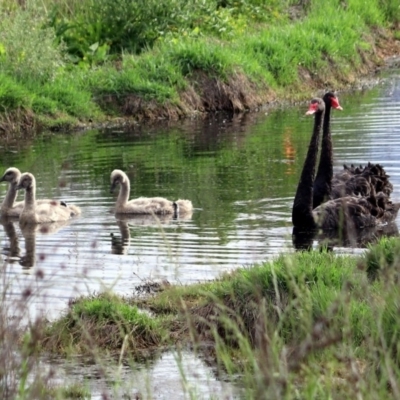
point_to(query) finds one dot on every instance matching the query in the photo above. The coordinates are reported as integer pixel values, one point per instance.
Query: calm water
(241, 174)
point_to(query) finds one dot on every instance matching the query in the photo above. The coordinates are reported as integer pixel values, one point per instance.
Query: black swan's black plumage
(323, 180)
(302, 216)
(361, 181)
(345, 214)
(351, 181)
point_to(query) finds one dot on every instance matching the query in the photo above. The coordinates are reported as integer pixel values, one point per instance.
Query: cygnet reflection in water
(120, 245)
(12, 250)
(29, 233)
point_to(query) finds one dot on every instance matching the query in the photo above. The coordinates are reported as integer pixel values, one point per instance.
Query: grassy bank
(308, 325)
(66, 64)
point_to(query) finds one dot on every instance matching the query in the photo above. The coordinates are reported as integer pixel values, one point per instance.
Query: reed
(22, 375)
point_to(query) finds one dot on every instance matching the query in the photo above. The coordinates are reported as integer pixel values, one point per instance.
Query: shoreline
(204, 92)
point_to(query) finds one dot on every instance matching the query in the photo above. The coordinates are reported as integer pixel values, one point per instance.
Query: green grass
(69, 392)
(383, 258)
(64, 96)
(73, 392)
(105, 322)
(13, 95)
(59, 61)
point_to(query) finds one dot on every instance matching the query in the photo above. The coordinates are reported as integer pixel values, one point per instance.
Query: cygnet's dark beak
(3, 178)
(19, 187)
(176, 210)
(112, 187)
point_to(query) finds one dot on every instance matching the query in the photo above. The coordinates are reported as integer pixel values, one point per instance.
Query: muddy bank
(205, 93)
(238, 93)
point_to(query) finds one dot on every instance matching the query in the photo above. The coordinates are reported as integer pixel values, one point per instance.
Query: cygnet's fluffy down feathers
(10, 208)
(144, 205)
(34, 213)
(155, 205)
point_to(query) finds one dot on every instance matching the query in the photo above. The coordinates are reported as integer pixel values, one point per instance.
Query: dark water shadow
(358, 238)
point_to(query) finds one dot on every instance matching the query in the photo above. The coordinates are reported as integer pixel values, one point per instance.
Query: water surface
(240, 172)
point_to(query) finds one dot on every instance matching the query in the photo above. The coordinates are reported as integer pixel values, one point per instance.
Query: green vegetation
(308, 324)
(68, 63)
(44, 392)
(71, 392)
(106, 322)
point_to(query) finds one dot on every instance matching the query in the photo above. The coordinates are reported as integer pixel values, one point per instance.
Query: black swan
(352, 181)
(344, 215)
(323, 180)
(361, 181)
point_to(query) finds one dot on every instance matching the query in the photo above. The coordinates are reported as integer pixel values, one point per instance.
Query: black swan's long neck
(302, 216)
(323, 180)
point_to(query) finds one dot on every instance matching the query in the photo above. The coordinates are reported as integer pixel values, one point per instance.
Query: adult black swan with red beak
(342, 215)
(351, 181)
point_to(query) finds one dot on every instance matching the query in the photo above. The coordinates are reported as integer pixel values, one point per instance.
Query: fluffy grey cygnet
(9, 207)
(34, 213)
(144, 205)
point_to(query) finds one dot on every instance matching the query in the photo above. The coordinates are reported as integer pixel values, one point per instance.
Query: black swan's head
(316, 105)
(331, 100)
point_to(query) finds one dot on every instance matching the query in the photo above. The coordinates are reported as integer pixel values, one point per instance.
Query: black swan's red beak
(335, 103)
(312, 109)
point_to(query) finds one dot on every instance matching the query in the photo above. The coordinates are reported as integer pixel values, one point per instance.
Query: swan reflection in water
(359, 238)
(29, 233)
(120, 244)
(11, 251)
